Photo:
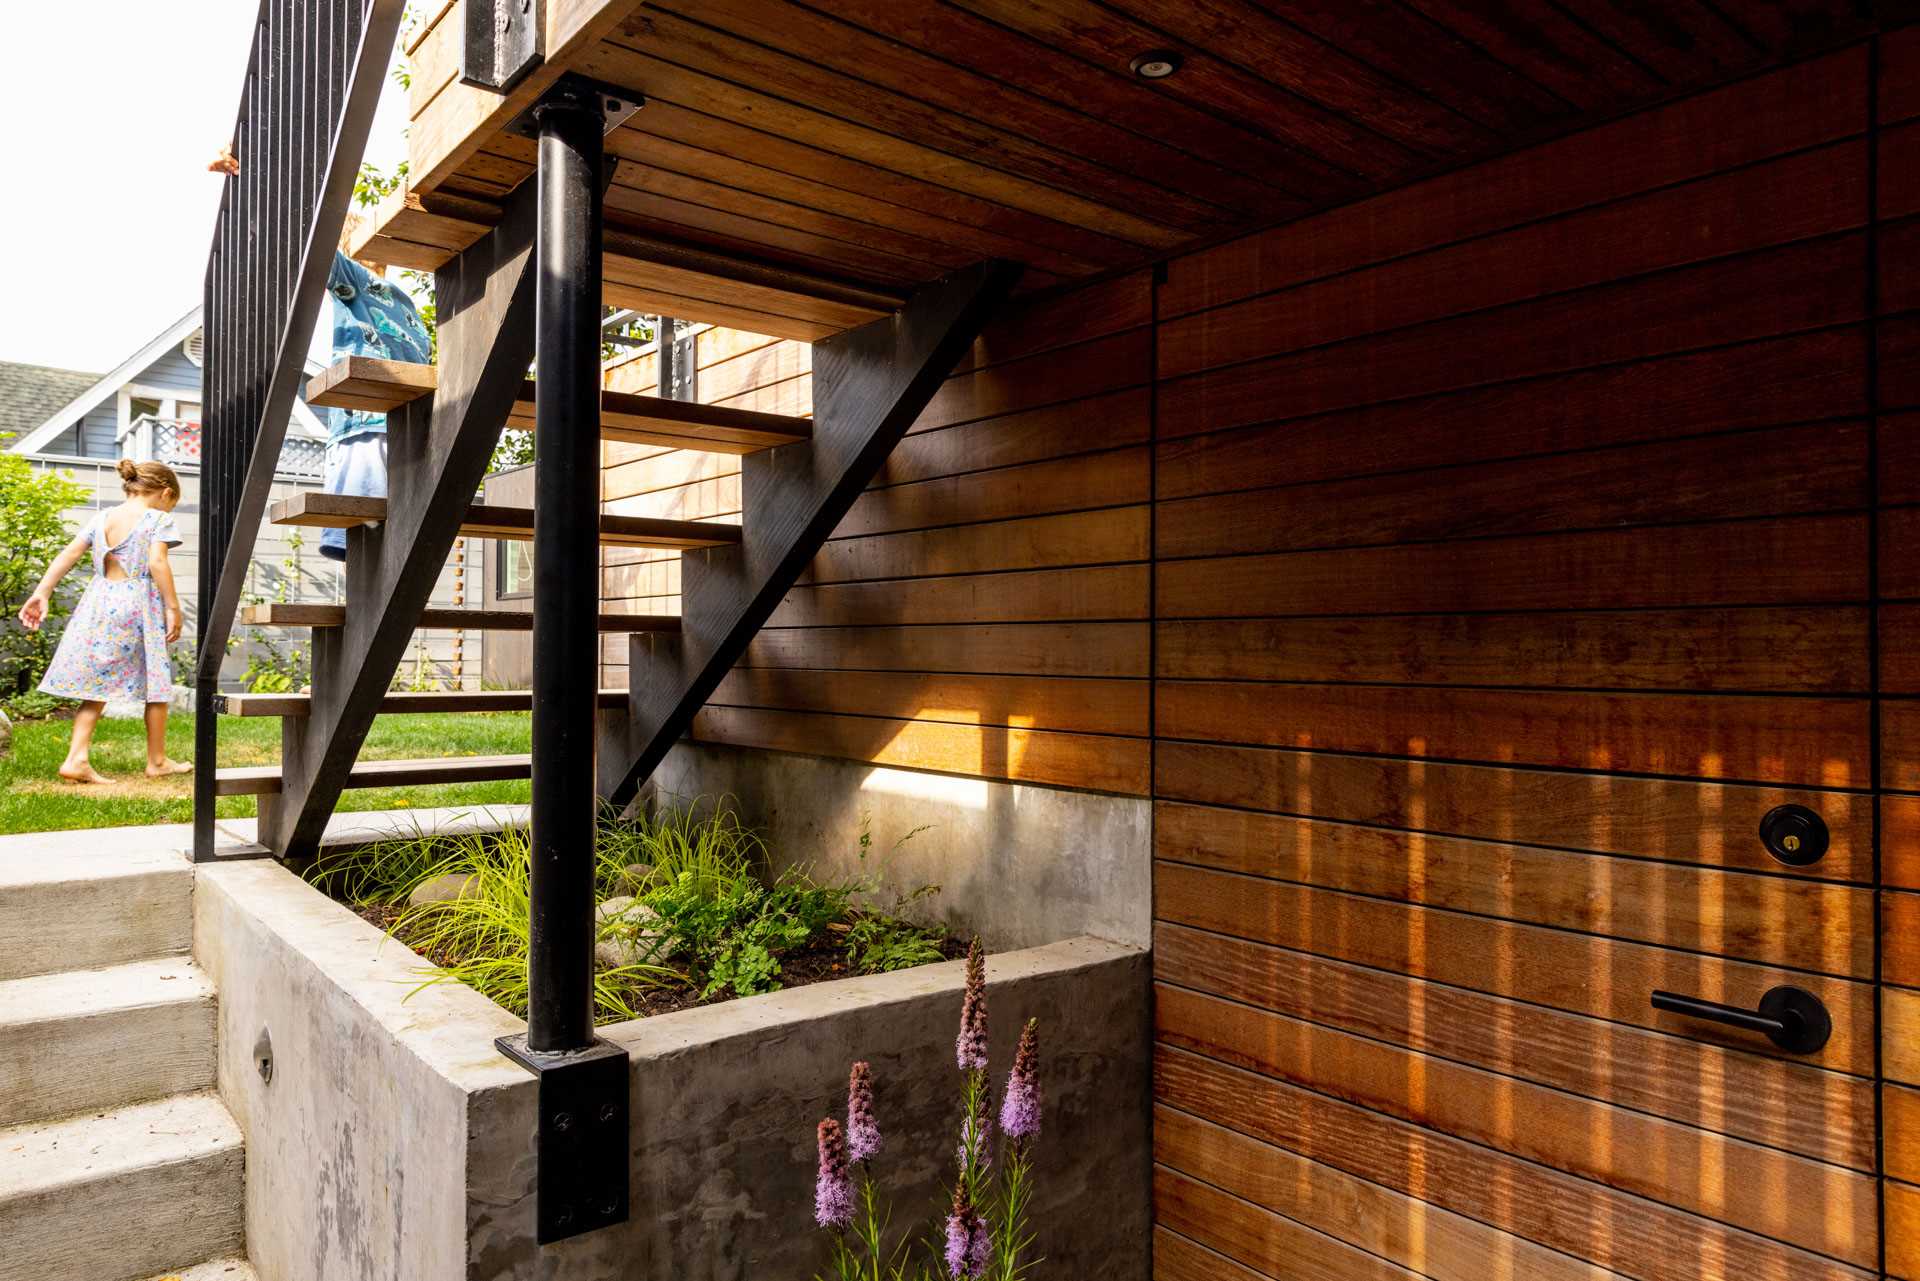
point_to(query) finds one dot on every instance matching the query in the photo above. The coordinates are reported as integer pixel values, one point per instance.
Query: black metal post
(582, 1142)
(566, 569)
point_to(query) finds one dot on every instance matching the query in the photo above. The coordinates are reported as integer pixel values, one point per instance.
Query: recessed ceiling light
(1155, 64)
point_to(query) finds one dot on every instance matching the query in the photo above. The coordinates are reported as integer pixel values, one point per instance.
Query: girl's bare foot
(83, 772)
(168, 767)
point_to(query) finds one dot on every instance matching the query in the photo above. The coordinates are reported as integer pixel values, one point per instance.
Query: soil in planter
(820, 962)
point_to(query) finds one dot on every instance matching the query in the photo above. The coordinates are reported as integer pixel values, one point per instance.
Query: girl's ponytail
(147, 478)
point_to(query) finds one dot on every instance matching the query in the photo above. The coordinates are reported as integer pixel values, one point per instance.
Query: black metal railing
(313, 81)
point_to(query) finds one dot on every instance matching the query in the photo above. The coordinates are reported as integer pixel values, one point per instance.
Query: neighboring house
(149, 407)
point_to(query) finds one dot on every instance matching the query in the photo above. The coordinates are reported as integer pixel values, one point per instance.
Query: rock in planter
(629, 934)
(444, 889)
(638, 874)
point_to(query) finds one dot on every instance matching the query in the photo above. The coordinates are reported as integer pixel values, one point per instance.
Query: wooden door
(1515, 560)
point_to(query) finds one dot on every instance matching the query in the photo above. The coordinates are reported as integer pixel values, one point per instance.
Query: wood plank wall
(1513, 547)
(1898, 438)
(982, 610)
(1514, 541)
(746, 371)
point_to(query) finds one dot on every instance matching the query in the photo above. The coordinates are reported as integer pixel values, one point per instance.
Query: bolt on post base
(582, 1158)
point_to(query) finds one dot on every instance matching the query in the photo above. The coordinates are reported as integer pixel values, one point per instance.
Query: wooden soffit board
(884, 143)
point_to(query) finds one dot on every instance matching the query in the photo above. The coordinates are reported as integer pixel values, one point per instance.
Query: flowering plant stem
(973, 1140)
(1011, 1236)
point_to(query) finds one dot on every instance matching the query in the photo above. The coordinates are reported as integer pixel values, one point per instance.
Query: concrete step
(93, 1039)
(83, 900)
(121, 1195)
(218, 1270)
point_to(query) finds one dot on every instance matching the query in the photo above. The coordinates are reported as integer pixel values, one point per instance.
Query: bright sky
(113, 108)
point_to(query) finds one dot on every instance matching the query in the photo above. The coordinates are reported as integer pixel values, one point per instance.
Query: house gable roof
(78, 407)
(30, 394)
(44, 428)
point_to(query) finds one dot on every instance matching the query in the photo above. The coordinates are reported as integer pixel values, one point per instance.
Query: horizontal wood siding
(983, 609)
(1897, 297)
(1464, 573)
(1512, 552)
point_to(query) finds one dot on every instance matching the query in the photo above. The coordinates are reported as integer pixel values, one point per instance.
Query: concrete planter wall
(392, 1143)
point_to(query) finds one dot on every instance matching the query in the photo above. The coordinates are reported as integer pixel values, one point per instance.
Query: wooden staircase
(799, 477)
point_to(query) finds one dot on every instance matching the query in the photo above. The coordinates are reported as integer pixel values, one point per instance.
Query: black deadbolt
(1794, 834)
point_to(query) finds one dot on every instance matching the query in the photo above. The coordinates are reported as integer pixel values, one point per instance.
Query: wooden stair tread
(344, 511)
(452, 619)
(379, 386)
(483, 700)
(256, 780)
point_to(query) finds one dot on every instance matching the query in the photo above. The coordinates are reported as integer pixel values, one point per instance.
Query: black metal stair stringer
(437, 453)
(869, 385)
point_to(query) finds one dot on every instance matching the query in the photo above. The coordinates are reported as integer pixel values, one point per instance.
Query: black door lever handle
(1791, 1017)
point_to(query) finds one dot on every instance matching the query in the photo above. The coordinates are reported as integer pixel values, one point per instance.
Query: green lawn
(34, 799)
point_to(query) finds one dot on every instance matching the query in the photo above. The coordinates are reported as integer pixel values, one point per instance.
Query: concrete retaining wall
(394, 1143)
(1018, 864)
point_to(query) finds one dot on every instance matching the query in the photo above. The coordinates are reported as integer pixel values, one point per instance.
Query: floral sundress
(115, 647)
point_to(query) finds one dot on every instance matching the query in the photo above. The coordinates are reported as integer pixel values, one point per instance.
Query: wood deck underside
(878, 144)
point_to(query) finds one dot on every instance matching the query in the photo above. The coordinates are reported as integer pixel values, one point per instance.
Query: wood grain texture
(1900, 1107)
(1018, 649)
(1579, 973)
(1771, 920)
(1101, 537)
(1082, 482)
(1821, 1207)
(1587, 1220)
(1900, 938)
(1773, 1102)
(1026, 702)
(1080, 761)
(1766, 473)
(1900, 744)
(1758, 384)
(1809, 194)
(1807, 742)
(1804, 649)
(1903, 1229)
(1752, 563)
(1811, 285)
(1090, 424)
(1900, 841)
(1271, 1244)
(1098, 594)
(1386, 1224)
(1712, 824)
(1637, 153)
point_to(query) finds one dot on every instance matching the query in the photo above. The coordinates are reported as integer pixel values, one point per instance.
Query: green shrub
(33, 512)
(34, 706)
(706, 904)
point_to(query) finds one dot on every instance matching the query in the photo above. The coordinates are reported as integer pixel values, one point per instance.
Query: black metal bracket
(614, 104)
(582, 1158)
(501, 43)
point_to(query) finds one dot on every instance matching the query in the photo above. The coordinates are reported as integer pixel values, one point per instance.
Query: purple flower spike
(976, 1133)
(863, 1133)
(971, 1047)
(833, 1194)
(969, 1245)
(1020, 1112)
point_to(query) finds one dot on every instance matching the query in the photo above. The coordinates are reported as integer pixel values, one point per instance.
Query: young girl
(115, 645)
